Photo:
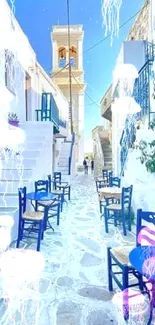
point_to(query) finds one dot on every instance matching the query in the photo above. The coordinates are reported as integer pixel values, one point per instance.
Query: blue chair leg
(45, 217)
(106, 219)
(100, 207)
(61, 201)
(39, 235)
(115, 218)
(20, 232)
(18, 240)
(42, 233)
(125, 293)
(109, 259)
(124, 225)
(58, 215)
(129, 221)
(69, 193)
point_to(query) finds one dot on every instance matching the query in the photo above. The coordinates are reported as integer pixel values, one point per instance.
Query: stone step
(16, 173)
(65, 164)
(34, 138)
(63, 172)
(25, 154)
(29, 145)
(8, 210)
(107, 154)
(11, 186)
(14, 163)
(9, 200)
(62, 159)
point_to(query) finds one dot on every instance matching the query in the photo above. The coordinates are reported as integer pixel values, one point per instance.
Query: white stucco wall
(14, 39)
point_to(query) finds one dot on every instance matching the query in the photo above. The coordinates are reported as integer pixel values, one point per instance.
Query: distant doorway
(27, 97)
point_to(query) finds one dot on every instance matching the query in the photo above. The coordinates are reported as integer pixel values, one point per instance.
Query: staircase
(33, 162)
(66, 156)
(107, 153)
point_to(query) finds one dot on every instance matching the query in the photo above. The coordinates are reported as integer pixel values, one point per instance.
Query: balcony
(106, 104)
(50, 112)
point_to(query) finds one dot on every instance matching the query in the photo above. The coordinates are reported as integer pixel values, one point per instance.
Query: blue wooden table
(40, 196)
(142, 258)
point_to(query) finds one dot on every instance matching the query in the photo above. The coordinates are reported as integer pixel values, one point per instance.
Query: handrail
(71, 152)
(49, 110)
(62, 123)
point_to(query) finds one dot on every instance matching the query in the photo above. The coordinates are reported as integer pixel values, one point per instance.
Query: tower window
(73, 56)
(62, 57)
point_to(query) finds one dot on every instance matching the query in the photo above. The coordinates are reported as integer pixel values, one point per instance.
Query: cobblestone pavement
(73, 288)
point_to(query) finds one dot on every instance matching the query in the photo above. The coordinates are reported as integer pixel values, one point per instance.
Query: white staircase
(34, 162)
(63, 164)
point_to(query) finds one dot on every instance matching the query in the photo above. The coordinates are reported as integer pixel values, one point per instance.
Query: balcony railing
(141, 91)
(49, 111)
(150, 51)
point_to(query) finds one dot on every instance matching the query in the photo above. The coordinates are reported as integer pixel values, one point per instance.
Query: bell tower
(60, 74)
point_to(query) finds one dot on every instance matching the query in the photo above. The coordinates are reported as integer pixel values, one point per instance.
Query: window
(62, 57)
(73, 54)
(10, 70)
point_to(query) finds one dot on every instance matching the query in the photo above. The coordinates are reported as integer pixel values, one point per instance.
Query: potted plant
(13, 119)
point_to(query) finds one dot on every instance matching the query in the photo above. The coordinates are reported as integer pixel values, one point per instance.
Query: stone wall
(98, 163)
(140, 29)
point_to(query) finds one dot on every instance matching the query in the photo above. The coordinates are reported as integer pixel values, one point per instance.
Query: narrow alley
(73, 288)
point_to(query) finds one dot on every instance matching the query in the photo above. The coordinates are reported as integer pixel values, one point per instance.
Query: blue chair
(40, 186)
(114, 181)
(105, 174)
(59, 193)
(119, 257)
(56, 179)
(99, 184)
(29, 221)
(120, 212)
(52, 206)
(65, 187)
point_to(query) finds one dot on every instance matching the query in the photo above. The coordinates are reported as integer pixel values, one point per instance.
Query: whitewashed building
(129, 128)
(43, 139)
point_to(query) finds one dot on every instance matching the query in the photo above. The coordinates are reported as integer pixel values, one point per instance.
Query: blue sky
(36, 18)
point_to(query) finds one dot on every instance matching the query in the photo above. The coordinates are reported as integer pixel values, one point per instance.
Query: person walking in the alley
(85, 164)
(92, 165)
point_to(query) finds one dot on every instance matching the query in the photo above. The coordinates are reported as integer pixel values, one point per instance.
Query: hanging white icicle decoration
(111, 15)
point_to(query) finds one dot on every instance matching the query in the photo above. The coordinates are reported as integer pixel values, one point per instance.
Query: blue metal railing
(71, 153)
(141, 95)
(127, 139)
(150, 51)
(49, 110)
(141, 92)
